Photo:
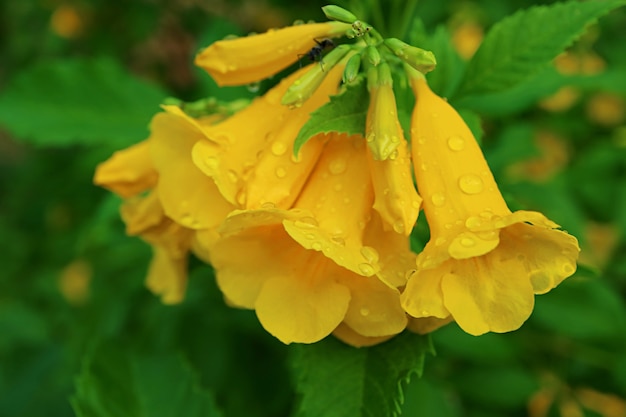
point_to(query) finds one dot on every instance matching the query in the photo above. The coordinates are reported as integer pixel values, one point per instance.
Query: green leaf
(69, 102)
(344, 113)
(524, 43)
(116, 383)
(445, 78)
(336, 380)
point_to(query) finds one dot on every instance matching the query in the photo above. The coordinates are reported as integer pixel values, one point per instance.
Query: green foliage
(521, 45)
(344, 113)
(70, 102)
(335, 380)
(114, 382)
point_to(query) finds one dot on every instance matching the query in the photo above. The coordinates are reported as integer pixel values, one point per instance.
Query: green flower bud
(338, 13)
(420, 59)
(352, 68)
(305, 86)
(372, 54)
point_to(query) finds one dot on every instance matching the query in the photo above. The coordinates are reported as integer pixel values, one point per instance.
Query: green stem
(407, 18)
(378, 20)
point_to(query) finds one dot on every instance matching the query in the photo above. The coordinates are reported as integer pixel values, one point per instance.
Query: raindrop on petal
(471, 184)
(456, 143)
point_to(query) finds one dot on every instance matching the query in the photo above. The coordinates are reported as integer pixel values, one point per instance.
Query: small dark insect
(315, 53)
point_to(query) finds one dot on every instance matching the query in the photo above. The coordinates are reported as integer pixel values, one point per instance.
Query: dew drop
(211, 163)
(395, 139)
(338, 240)
(473, 222)
(346, 200)
(438, 199)
(232, 67)
(440, 241)
(232, 176)
(279, 148)
(268, 205)
(364, 311)
(310, 236)
(316, 246)
(456, 143)
(398, 227)
(241, 197)
(281, 172)
(568, 269)
(337, 166)
(393, 155)
(370, 137)
(337, 187)
(254, 87)
(370, 254)
(425, 313)
(366, 269)
(471, 184)
(467, 242)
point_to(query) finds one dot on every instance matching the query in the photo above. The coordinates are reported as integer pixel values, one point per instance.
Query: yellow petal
(127, 172)
(375, 308)
(396, 199)
(187, 195)
(167, 276)
(383, 131)
(339, 195)
(142, 213)
(304, 306)
(344, 333)
(423, 296)
(253, 58)
(425, 325)
(490, 293)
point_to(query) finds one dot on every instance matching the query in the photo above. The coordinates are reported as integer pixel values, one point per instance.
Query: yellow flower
(254, 164)
(326, 265)
(483, 264)
(252, 58)
(396, 199)
(182, 206)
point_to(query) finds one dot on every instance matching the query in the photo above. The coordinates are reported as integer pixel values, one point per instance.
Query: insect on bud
(305, 86)
(352, 68)
(338, 13)
(422, 60)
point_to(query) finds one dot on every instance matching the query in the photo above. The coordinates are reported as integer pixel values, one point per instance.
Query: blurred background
(80, 79)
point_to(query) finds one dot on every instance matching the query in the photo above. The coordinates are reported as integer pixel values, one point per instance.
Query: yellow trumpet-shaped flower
(162, 167)
(252, 58)
(396, 199)
(254, 165)
(326, 265)
(483, 263)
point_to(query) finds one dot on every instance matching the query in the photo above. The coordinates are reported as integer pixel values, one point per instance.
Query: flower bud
(420, 59)
(352, 68)
(372, 54)
(338, 13)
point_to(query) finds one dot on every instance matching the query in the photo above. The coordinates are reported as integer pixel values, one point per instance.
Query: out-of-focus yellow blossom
(554, 155)
(467, 37)
(324, 265)
(606, 109)
(74, 281)
(483, 263)
(248, 59)
(66, 21)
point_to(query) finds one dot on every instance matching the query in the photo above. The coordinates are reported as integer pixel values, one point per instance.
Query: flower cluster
(318, 242)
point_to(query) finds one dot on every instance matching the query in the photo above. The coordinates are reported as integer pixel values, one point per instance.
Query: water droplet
(486, 214)
(395, 139)
(281, 172)
(393, 155)
(364, 311)
(346, 200)
(279, 148)
(338, 240)
(297, 82)
(423, 166)
(241, 197)
(468, 242)
(488, 235)
(370, 254)
(448, 226)
(316, 246)
(456, 143)
(438, 199)
(415, 204)
(425, 313)
(337, 166)
(440, 241)
(370, 137)
(471, 184)
(568, 269)
(310, 236)
(473, 222)
(337, 187)
(268, 205)
(211, 163)
(398, 227)
(366, 269)
(232, 67)
(232, 176)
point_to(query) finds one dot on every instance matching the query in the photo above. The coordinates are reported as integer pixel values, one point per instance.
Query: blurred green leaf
(497, 387)
(344, 113)
(585, 309)
(336, 380)
(114, 382)
(68, 102)
(444, 80)
(491, 349)
(519, 46)
(425, 398)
